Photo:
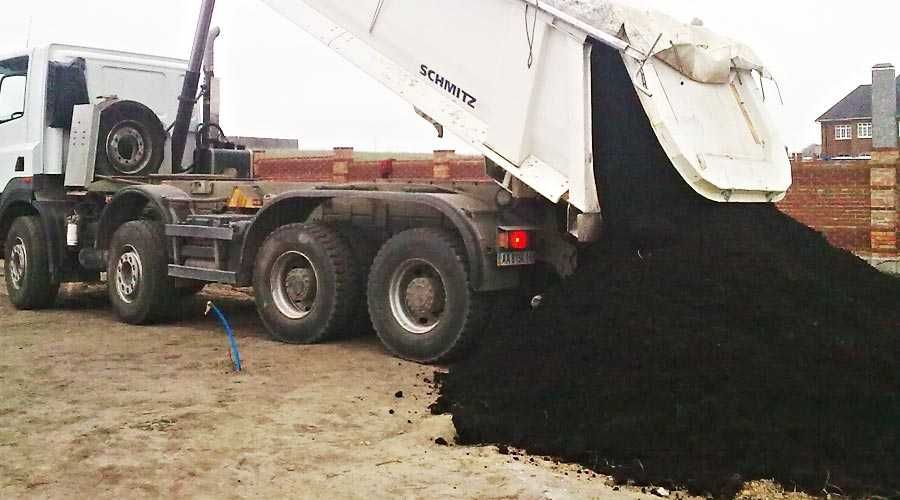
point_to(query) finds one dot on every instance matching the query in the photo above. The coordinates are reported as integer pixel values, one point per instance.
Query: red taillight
(519, 240)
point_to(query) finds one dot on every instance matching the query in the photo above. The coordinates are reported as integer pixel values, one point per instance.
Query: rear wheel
(305, 284)
(420, 297)
(27, 265)
(139, 286)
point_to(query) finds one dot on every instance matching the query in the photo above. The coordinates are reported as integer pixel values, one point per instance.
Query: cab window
(13, 79)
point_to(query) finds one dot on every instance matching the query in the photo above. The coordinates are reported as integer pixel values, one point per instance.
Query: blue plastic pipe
(235, 354)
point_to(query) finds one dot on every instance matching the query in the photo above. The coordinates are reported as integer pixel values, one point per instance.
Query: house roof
(858, 104)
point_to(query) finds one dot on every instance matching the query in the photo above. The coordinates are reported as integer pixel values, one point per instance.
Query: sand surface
(91, 408)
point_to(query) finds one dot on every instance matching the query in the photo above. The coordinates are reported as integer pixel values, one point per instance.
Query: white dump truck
(107, 169)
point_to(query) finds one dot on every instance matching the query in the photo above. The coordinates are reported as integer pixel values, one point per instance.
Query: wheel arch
(11, 212)
(458, 209)
(286, 209)
(154, 202)
(19, 201)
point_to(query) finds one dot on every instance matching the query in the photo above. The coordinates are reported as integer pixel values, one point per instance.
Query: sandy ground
(91, 408)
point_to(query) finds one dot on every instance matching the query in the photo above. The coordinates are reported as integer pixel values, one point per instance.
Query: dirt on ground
(91, 408)
(699, 345)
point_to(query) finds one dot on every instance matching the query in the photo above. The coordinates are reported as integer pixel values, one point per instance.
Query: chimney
(884, 107)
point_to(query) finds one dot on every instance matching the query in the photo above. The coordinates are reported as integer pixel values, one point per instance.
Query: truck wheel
(137, 272)
(131, 142)
(27, 265)
(305, 284)
(420, 299)
(364, 249)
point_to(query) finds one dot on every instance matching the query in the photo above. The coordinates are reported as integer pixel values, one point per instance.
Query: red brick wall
(854, 203)
(342, 167)
(832, 147)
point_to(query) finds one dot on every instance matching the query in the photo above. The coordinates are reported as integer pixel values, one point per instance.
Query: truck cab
(40, 87)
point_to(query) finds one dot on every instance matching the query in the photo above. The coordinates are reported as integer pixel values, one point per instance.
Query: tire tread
(475, 314)
(40, 290)
(346, 282)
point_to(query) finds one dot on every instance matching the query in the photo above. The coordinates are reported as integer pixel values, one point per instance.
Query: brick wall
(343, 166)
(854, 203)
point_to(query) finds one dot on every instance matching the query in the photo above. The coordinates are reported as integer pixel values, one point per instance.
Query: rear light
(516, 239)
(519, 240)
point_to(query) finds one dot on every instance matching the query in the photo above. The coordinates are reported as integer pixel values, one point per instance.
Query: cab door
(14, 149)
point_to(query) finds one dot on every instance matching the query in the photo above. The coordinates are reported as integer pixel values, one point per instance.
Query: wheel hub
(417, 296)
(294, 285)
(126, 148)
(421, 296)
(300, 284)
(129, 271)
(18, 264)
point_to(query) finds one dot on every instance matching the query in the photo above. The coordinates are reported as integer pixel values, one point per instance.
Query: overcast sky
(279, 82)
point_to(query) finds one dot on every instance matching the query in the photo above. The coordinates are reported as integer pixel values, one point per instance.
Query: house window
(864, 130)
(843, 133)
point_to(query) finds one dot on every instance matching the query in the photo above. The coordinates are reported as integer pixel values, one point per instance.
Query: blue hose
(235, 354)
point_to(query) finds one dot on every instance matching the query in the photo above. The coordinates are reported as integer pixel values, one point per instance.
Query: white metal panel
(512, 78)
(558, 129)
(718, 136)
(82, 154)
(478, 85)
(153, 81)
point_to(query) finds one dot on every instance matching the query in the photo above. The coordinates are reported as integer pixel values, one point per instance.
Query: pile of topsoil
(700, 345)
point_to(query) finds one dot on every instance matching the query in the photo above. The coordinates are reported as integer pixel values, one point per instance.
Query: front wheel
(27, 265)
(137, 272)
(420, 298)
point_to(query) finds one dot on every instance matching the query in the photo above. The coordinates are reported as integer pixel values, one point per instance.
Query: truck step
(200, 232)
(201, 274)
(198, 252)
(217, 220)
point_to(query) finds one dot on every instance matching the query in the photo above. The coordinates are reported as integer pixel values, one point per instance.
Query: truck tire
(364, 249)
(131, 142)
(27, 265)
(420, 298)
(306, 284)
(140, 289)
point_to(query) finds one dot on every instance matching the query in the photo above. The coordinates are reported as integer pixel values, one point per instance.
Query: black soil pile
(700, 345)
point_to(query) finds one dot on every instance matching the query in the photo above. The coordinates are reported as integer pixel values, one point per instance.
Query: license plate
(510, 259)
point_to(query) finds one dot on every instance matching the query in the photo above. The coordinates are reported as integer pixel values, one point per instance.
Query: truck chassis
(422, 263)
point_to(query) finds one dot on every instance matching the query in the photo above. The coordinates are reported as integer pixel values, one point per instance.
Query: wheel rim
(18, 263)
(129, 271)
(418, 296)
(294, 283)
(127, 148)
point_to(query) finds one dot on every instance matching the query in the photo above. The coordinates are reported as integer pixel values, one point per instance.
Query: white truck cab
(40, 87)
